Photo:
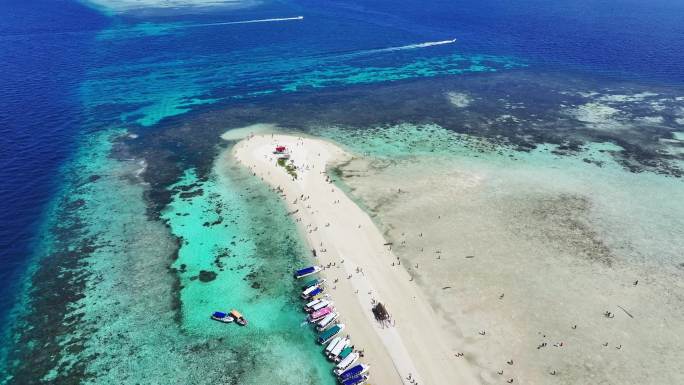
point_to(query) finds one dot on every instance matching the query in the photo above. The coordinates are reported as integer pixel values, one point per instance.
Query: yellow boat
(239, 319)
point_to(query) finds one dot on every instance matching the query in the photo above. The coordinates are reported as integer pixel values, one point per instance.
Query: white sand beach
(347, 240)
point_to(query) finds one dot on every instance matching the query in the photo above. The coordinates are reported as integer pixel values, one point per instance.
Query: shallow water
(524, 245)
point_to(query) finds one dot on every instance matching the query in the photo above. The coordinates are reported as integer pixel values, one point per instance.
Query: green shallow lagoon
(238, 250)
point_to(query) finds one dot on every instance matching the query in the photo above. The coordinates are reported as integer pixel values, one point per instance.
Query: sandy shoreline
(347, 240)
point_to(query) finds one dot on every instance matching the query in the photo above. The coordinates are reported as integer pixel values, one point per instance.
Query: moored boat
(354, 371)
(222, 317)
(319, 305)
(239, 318)
(332, 345)
(315, 290)
(307, 271)
(308, 292)
(329, 334)
(320, 314)
(327, 321)
(335, 351)
(312, 282)
(309, 304)
(346, 363)
(344, 353)
(355, 380)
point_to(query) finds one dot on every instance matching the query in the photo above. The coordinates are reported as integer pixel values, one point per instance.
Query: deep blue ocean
(62, 77)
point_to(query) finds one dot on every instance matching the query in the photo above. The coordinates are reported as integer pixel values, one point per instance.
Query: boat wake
(245, 22)
(410, 46)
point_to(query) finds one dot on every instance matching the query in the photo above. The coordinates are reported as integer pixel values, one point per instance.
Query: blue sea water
(68, 70)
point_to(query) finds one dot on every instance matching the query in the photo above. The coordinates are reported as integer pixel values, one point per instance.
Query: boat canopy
(305, 270)
(352, 372)
(328, 334)
(219, 314)
(354, 380)
(347, 361)
(338, 348)
(314, 292)
(235, 313)
(280, 148)
(346, 351)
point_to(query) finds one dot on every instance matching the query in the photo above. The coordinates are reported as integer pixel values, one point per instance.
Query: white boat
(327, 321)
(307, 271)
(318, 305)
(332, 345)
(311, 303)
(346, 363)
(307, 292)
(337, 349)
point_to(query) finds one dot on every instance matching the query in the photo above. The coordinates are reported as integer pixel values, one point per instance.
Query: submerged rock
(207, 276)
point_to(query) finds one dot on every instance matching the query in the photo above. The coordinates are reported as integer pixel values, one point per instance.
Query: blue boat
(222, 317)
(355, 380)
(354, 371)
(307, 271)
(312, 293)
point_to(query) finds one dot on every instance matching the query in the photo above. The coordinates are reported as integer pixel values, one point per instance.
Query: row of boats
(321, 313)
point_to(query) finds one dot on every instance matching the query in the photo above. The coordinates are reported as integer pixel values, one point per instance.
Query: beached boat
(309, 304)
(312, 292)
(332, 345)
(307, 271)
(354, 371)
(344, 354)
(239, 318)
(358, 380)
(313, 282)
(308, 292)
(319, 305)
(346, 363)
(222, 317)
(320, 314)
(329, 334)
(327, 321)
(335, 351)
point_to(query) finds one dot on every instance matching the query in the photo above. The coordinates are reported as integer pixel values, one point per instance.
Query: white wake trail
(245, 22)
(410, 46)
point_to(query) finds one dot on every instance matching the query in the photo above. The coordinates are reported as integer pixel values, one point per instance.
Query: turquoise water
(233, 226)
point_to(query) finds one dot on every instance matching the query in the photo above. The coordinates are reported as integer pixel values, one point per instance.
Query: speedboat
(313, 282)
(307, 271)
(320, 314)
(355, 380)
(346, 363)
(239, 318)
(335, 351)
(329, 334)
(311, 289)
(327, 321)
(319, 305)
(354, 371)
(312, 292)
(343, 354)
(222, 317)
(332, 345)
